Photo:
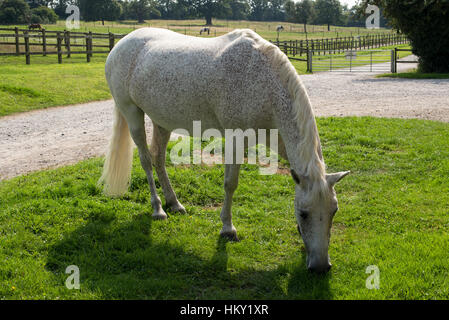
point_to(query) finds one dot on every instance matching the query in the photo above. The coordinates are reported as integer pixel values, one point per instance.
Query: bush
(426, 23)
(14, 12)
(44, 15)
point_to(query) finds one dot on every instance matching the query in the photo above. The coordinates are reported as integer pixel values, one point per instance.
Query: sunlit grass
(393, 214)
(45, 83)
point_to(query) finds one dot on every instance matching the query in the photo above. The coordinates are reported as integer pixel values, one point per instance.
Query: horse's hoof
(177, 208)
(160, 215)
(230, 235)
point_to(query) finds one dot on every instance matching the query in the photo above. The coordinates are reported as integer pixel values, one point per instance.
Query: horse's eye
(303, 214)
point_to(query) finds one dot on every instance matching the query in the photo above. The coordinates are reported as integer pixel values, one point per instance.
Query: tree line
(330, 12)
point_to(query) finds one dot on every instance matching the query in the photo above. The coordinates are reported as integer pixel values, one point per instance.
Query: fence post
(309, 61)
(88, 46)
(393, 60)
(111, 41)
(27, 46)
(59, 45)
(17, 41)
(44, 42)
(67, 43)
(91, 46)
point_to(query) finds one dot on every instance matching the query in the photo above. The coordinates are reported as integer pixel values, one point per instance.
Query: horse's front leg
(231, 182)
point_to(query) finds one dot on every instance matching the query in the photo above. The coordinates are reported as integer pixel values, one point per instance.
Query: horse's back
(177, 79)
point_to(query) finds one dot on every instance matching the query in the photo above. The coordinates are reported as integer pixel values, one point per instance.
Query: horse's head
(315, 207)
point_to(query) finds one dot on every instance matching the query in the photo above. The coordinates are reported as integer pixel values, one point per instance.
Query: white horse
(238, 80)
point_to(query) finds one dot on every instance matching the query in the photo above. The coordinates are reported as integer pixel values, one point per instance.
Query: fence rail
(373, 60)
(396, 60)
(293, 48)
(44, 42)
(24, 42)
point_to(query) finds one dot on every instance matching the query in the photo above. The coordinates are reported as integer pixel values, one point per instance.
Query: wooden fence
(43, 42)
(27, 43)
(338, 45)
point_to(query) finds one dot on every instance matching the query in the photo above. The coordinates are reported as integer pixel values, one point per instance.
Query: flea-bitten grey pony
(235, 81)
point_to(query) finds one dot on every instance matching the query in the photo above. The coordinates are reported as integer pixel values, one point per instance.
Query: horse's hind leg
(231, 182)
(135, 118)
(158, 149)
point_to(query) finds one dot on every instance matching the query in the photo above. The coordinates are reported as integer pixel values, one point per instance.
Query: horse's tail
(117, 166)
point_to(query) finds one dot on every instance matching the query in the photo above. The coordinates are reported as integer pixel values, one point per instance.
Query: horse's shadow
(121, 261)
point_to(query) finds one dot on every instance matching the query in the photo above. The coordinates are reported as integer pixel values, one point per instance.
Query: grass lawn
(414, 74)
(45, 83)
(394, 213)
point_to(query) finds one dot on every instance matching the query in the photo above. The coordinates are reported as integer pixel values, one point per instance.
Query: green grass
(414, 74)
(44, 83)
(394, 213)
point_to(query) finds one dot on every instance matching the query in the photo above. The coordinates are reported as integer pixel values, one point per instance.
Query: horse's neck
(300, 136)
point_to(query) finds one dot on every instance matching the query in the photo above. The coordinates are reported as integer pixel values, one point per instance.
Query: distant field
(292, 31)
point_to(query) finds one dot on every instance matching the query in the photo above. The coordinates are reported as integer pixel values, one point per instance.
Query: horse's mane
(309, 150)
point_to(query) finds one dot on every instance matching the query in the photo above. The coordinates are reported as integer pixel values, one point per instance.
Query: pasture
(393, 214)
(292, 31)
(394, 211)
(45, 83)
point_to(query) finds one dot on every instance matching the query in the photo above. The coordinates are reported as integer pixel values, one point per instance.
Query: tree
(290, 11)
(212, 9)
(258, 9)
(426, 24)
(274, 11)
(60, 6)
(301, 12)
(38, 3)
(14, 11)
(240, 9)
(328, 12)
(93, 10)
(143, 9)
(43, 15)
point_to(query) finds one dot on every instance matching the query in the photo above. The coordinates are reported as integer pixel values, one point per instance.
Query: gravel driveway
(65, 135)
(361, 94)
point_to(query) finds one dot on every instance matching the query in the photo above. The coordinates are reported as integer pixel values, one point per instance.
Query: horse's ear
(333, 178)
(297, 177)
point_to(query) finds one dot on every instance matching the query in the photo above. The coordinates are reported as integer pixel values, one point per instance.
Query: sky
(350, 3)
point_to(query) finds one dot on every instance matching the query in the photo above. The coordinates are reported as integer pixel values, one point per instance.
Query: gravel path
(55, 137)
(361, 94)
